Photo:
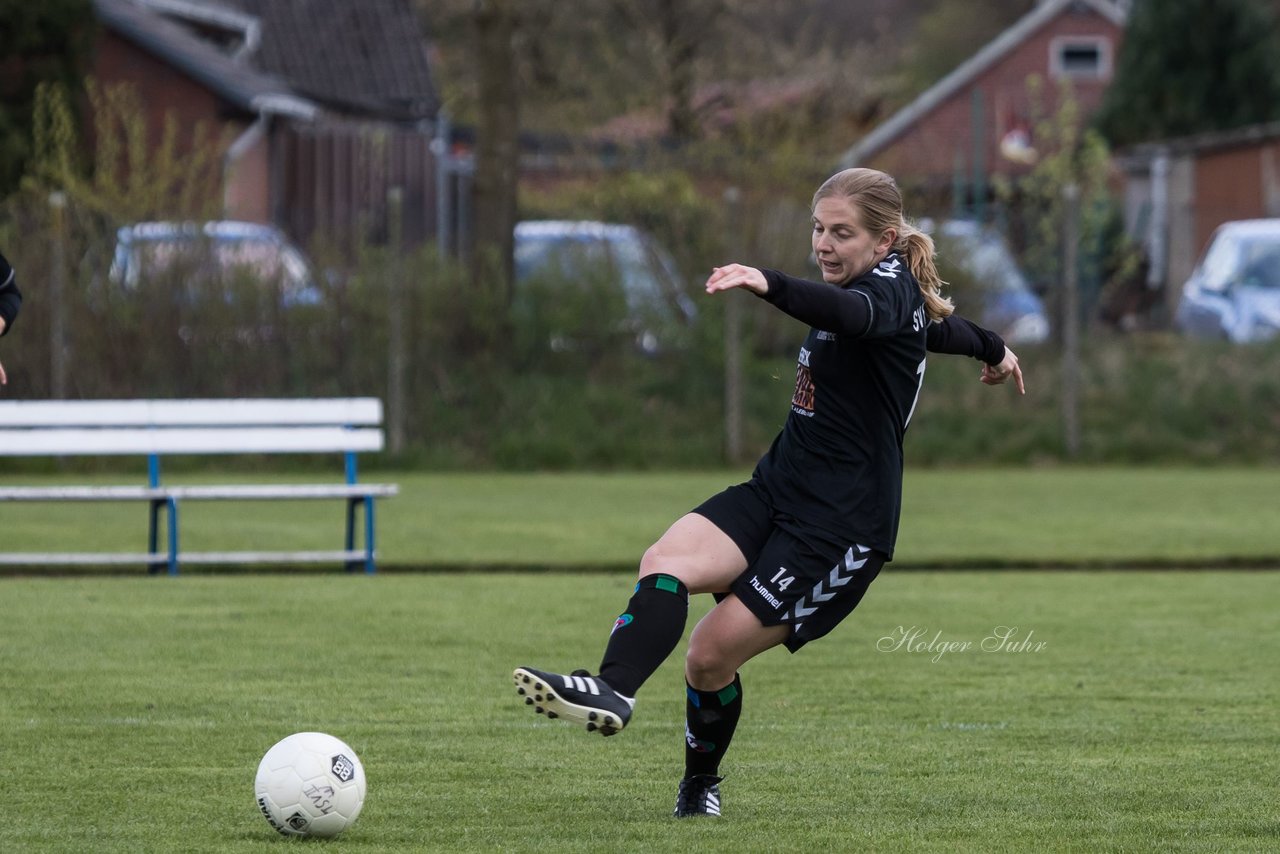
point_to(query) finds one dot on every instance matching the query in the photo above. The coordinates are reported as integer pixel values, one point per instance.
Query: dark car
(1233, 293)
(581, 281)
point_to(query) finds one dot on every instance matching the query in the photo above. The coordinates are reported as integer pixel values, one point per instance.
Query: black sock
(646, 633)
(710, 719)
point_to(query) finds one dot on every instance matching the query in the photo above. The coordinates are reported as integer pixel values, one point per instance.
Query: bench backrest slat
(353, 411)
(189, 440)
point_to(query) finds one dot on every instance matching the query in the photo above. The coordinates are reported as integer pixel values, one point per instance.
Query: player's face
(844, 249)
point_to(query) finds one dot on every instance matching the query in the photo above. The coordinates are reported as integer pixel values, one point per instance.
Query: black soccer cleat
(579, 698)
(698, 795)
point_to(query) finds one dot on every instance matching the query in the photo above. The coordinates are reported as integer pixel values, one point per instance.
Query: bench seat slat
(269, 491)
(80, 493)
(300, 491)
(207, 558)
(80, 558)
(339, 555)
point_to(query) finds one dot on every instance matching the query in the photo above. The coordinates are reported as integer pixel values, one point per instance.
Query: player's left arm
(959, 336)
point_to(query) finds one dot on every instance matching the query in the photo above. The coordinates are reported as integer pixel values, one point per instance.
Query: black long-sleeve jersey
(10, 296)
(837, 463)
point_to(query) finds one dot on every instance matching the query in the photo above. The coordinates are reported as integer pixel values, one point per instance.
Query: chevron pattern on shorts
(827, 588)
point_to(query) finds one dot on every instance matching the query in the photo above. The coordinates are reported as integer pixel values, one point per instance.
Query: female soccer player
(791, 552)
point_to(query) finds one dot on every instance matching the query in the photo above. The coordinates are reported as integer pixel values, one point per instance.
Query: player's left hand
(1008, 367)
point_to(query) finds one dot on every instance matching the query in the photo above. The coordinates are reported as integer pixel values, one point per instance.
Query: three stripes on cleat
(605, 724)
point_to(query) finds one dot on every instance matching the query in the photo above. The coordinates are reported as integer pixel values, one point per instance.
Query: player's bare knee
(659, 559)
(650, 561)
(705, 668)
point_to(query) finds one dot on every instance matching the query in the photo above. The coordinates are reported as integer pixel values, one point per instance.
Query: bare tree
(683, 26)
(497, 149)
(680, 32)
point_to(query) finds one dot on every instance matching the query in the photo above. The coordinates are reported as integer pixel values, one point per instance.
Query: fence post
(733, 345)
(397, 357)
(1071, 320)
(440, 149)
(58, 368)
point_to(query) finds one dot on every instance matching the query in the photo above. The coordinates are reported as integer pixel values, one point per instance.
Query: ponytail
(918, 249)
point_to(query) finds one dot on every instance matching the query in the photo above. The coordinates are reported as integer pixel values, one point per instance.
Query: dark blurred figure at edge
(10, 303)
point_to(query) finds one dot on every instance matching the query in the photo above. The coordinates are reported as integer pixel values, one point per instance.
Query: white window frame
(1059, 44)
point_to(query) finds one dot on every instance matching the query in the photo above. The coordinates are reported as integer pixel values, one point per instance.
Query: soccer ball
(310, 784)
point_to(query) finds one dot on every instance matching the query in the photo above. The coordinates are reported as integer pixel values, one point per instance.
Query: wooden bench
(159, 428)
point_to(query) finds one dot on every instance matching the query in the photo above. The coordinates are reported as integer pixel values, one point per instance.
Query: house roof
(249, 89)
(365, 56)
(968, 71)
(1138, 158)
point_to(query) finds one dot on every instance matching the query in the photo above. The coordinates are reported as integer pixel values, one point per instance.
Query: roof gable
(1205, 142)
(968, 71)
(363, 57)
(368, 56)
(245, 88)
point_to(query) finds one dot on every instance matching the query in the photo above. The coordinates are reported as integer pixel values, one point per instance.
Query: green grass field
(973, 518)
(135, 712)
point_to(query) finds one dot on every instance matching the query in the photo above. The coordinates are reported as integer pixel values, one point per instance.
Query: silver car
(980, 257)
(202, 253)
(573, 275)
(1234, 291)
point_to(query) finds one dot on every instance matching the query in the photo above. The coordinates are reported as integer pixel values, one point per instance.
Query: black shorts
(796, 574)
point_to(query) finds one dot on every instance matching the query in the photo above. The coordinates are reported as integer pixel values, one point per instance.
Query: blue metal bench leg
(350, 541)
(369, 567)
(352, 503)
(170, 505)
(153, 534)
(173, 536)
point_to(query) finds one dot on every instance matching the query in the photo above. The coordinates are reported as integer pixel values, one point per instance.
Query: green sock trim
(727, 694)
(667, 583)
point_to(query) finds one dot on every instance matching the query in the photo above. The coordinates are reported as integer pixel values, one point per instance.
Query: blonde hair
(877, 198)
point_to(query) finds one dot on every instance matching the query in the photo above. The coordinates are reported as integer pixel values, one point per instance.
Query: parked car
(1234, 291)
(206, 256)
(214, 283)
(973, 255)
(579, 281)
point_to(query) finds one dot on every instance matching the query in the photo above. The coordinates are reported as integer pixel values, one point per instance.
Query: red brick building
(324, 105)
(178, 74)
(976, 121)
